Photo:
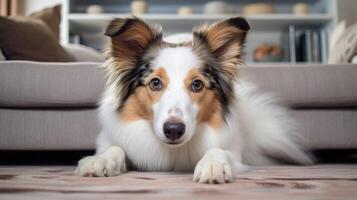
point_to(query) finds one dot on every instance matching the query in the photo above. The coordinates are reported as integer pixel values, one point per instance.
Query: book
(311, 46)
(300, 45)
(292, 44)
(308, 46)
(315, 47)
(324, 46)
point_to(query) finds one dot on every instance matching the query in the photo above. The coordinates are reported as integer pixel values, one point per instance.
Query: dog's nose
(174, 130)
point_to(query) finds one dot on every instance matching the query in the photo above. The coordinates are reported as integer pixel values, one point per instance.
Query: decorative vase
(215, 7)
(301, 9)
(94, 9)
(258, 8)
(139, 7)
(185, 10)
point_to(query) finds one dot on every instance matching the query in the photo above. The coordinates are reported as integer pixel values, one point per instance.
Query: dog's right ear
(130, 38)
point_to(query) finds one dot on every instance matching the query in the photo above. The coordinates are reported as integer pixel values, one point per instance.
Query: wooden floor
(313, 182)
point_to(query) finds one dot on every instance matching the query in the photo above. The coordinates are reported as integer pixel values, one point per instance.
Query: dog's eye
(155, 84)
(196, 86)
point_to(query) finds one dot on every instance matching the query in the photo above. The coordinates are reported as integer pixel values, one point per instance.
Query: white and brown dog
(181, 106)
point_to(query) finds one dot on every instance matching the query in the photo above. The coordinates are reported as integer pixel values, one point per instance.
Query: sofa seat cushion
(43, 129)
(28, 129)
(307, 85)
(25, 84)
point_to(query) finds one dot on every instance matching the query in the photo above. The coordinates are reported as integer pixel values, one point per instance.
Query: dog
(182, 106)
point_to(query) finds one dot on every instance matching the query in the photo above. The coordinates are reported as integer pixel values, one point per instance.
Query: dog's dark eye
(196, 86)
(155, 84)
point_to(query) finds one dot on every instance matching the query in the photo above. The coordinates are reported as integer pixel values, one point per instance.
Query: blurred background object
(301, 28)
(215, 7)
(343, 47)
(301, 9)
(185, 10)
(11, 7)
(258, 9)
(139, 7)
(95, 9)
(268, 53)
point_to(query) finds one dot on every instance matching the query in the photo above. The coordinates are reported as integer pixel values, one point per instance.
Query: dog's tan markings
(130, 38)
(224, 41)
(210, 110)
(160, 73)
(139, 104)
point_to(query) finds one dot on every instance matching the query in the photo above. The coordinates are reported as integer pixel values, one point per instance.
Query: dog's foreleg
(109, 163)
(216, 166)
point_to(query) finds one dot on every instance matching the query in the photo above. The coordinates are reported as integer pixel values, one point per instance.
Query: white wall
(346, 10)
(31, 6)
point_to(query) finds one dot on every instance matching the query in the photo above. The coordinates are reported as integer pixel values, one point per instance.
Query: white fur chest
(142, 147)
(147, 153)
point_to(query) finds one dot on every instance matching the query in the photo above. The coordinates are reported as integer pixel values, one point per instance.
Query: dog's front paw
(96, 166)
(213, 171)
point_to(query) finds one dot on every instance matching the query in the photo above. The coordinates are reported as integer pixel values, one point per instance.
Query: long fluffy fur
(269, 133)
(255, 129)
(258, 131)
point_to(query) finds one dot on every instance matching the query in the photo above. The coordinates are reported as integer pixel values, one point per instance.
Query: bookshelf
(173, 22)
(267, 28)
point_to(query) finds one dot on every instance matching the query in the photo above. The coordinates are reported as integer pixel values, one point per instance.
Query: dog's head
(175, 86)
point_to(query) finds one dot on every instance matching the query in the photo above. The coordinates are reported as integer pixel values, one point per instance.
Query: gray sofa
(52, 106)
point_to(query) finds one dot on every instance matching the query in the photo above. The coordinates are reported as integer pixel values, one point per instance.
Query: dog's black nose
(174, 130)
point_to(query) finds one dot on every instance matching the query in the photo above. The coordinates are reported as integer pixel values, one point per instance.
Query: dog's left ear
(225, 42)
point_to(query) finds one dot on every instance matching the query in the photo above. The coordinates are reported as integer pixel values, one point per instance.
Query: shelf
(97, 22)
(204, 16)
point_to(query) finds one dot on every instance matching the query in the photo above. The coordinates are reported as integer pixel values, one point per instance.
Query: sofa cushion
(48, 129)
(26, 38)
(327, 128)
(82, 53)
(52, 17)
(37, 84)
(307, 85)
(77, 129)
